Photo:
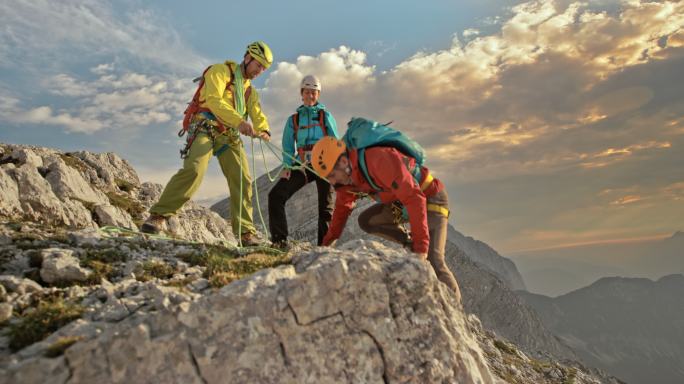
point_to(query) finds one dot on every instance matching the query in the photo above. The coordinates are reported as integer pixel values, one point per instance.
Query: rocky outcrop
(87, 190)
(486, 278)
(365, 314)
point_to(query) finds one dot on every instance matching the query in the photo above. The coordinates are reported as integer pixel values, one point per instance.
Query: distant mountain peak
(673, 278)
(677, 235)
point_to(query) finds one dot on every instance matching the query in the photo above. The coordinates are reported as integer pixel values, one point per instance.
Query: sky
(552, 123)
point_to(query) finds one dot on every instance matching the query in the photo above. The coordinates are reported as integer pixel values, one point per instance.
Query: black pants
(284, 189)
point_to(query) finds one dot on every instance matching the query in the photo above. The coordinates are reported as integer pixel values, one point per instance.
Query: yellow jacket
(216, 96)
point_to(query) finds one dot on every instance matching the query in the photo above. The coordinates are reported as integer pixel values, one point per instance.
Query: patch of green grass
(133, 207)
(223, 270)
(181, 283)
(220, 279)
(47, 318)
(224, 265)
(100, 262)
(39, 240)
(124, 185)
(100, 270)
(107, 255)
(504, 347)
(29, 240)
(74, 162)
(158, 269)
(571, 375)
(193, 258)
(539, 366)
(60, 237)
(62, 344)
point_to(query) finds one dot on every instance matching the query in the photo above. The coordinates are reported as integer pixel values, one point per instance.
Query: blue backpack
(363, 133)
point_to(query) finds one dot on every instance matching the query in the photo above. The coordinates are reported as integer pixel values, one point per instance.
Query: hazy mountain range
(630, 327)
(558, 271)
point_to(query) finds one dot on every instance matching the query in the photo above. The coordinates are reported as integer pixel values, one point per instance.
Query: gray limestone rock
(25, 155)
(19, 285)
(67, 183)
(110, 169)
(38, 201)
(5, 312)
(107, 214)
(10, 205)
(59, 265)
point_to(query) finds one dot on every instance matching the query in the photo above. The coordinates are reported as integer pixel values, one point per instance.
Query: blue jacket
(308, 117)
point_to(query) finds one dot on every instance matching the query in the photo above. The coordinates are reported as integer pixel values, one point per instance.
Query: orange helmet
(325, 153)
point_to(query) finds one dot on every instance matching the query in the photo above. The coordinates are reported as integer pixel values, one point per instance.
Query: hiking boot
(281, 245)
(153, 224)
(250, 240)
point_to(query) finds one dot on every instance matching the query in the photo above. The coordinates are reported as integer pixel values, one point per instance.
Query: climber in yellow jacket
(216, 117)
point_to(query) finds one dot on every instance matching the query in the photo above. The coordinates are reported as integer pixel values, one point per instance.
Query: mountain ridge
(622, 325)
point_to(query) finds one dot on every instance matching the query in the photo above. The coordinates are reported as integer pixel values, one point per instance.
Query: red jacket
(389, 170)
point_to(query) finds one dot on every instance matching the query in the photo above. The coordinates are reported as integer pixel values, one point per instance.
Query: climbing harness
(305, 150)
(194, 108)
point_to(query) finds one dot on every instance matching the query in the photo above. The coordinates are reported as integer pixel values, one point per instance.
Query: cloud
(344, 74)
(111, 101)
(530, 123)
(46, 33)
(511, 101)
(379, 48)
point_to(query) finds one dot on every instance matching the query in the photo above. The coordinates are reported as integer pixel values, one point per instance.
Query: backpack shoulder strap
(295, 124)
(321, 121)
(194, 104)
(232, 74)
(364, 169)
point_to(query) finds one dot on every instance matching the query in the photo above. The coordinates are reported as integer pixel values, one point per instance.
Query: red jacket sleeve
(387, 168)
(344, 203)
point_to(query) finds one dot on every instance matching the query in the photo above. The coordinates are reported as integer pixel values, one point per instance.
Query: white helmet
(311, 82)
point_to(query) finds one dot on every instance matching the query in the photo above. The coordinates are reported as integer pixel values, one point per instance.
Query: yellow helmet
(325, 153)
(261, 53)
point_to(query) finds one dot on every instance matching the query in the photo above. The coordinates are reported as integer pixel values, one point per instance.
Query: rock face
(87, 190)
(487, 279)
(629, 327)
(367, 315)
